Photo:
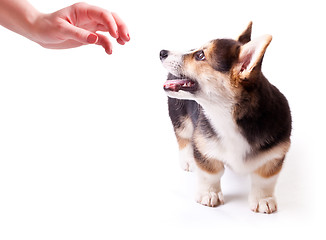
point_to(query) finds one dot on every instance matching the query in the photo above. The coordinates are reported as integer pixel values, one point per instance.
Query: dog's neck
(219, 116)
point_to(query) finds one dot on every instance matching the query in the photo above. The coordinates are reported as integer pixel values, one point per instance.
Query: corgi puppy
(226, 113)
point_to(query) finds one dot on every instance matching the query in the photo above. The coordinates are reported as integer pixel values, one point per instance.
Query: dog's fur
(225, 112)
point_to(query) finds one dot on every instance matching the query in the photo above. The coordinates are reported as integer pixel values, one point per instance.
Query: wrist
(18, 16)
(32, 27)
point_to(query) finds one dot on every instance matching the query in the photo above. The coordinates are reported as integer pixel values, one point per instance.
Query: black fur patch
(201, 159)
(225, 53)
(205, 127)
(267, 122)
(178, 109)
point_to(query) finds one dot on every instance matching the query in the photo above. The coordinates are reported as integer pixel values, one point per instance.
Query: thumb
(79, 34)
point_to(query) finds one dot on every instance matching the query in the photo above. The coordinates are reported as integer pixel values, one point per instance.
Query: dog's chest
(230, 146)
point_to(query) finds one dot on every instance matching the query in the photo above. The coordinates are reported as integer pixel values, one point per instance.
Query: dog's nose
(164, 54)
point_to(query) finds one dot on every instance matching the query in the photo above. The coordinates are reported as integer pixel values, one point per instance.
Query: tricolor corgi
(226, 113)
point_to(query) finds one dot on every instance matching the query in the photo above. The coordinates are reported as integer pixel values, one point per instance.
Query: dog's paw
(210, 199)
(264, 205)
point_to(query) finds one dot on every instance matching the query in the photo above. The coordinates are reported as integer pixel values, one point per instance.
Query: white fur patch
(186, 158)
(209, 188)
(232, 147)
(187, 128)
(173, 63)
(261, 198)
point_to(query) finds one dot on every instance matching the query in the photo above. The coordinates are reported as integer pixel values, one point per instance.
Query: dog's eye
(200, 55)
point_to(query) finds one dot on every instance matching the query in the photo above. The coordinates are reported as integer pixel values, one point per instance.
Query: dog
(225, 112)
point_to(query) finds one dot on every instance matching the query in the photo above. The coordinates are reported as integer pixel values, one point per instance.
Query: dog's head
(220, 69)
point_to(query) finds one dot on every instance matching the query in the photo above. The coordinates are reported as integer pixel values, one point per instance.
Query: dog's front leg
(263, 181)
(209, 172)
(186, 157)
(209, 191)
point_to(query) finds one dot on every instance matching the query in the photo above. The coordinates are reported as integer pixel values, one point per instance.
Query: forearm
(18, 16)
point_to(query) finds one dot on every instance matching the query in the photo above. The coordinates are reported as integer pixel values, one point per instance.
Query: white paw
(210, 199)
(264, 205)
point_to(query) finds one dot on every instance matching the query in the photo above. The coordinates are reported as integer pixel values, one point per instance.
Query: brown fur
(271, 168)
(245, 36)
(280, 149)
(183, 142)
(207, 164)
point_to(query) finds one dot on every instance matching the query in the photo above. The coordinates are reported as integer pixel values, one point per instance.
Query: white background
(87, 150)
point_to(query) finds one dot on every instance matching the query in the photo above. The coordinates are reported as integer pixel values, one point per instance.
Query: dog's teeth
(187, 84)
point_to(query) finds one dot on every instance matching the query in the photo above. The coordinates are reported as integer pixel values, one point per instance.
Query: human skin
(70, 27)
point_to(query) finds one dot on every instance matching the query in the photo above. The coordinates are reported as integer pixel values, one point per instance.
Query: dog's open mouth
(184, 84)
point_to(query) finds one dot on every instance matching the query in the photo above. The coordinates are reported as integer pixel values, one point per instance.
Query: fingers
(92, 38)
(122, 29)
(112, 23)
(92, 19)
(105, 43)
(105, 19)
(86, 37)
(109, 22)
(81, 35)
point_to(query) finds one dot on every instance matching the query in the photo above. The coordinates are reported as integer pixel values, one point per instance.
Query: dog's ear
(251, 56)
(245, 36)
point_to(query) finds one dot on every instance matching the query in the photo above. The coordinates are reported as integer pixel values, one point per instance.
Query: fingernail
(92, 38)
(117, 33)
(128, 37)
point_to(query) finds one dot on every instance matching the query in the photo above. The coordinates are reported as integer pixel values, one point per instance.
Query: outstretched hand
(78, 25)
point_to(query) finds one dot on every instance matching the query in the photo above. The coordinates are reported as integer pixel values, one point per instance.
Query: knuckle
(79, 34)
(105, 14)
(80, 5)
(60, 26)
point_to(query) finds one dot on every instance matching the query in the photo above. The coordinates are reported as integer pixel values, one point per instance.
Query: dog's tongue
(176, 84)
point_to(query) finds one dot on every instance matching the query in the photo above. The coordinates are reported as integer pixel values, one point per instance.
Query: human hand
(78, 25)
